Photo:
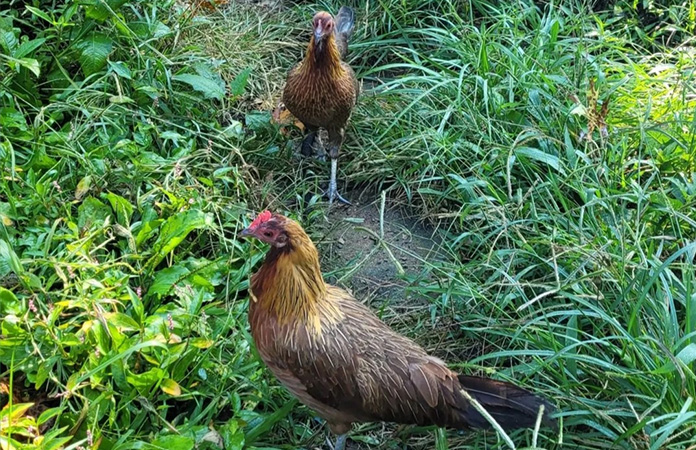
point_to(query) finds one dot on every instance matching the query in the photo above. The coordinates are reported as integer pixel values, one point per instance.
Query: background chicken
(322, 89)
(339, 359)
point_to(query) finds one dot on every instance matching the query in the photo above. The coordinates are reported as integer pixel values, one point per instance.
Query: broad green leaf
(166, 278)
(122, 208)
(83, 187)
(38, 13)
(209, 88)
(12, 119)
(30, 64)
(99, 10)
(174, 442)
(92, 212)
(687, 355)
(232, 435)
(55, 444)
(102, 335)
(121, 69)
(44, 370)
(170, 387)
(40, 160)
(52, 441)
(137, 305)
(8, 41)
(538, 155)
(238, 85)
(211, 440)
(176, 228)
(14, 413)
(146, 380)
(200, 342)
(118, 373)
(171, 135)
(201, 281)
(9, 261)
(95, 49)
(147, 230)
(26, 48)
(160, 30)
(258, 120)
(8, 301)
(122, 321)
(51, 412)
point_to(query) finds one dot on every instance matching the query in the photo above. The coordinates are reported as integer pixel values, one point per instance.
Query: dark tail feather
(511, 406)
(345, 22)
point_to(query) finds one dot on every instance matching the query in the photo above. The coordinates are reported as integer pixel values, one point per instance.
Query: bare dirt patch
(354, 255)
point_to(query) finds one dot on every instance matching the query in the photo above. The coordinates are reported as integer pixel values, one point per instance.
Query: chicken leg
(335, 141)
(341, 442)
(308, 142)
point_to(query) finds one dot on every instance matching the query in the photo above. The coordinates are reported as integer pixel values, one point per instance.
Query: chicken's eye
(268, 233)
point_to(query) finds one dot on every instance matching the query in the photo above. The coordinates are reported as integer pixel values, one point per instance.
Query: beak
(318, 34)
(247, 232)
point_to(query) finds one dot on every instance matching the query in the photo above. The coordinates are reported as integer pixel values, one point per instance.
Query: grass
(551, 150)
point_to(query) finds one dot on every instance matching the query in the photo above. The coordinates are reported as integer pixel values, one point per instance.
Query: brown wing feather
(360, 370)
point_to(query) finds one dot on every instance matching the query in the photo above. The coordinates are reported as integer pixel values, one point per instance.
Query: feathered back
(345, 23)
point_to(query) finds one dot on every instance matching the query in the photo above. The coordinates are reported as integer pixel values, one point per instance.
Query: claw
(332, 193)
(329, 443)
(340, 442)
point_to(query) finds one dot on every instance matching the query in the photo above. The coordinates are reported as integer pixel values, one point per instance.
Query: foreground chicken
(322, 89)
(339, 359)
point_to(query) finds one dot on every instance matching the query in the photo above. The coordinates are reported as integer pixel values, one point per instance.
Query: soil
(353, 257)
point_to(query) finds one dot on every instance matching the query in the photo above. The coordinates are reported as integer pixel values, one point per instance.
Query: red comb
(261, 218)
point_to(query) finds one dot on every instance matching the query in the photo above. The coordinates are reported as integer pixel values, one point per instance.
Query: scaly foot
(340, 442)
(332, 193)
(333, 190)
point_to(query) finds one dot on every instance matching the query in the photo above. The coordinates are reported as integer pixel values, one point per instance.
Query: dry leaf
(208, 5)
(170, 387)
(282, 116)
(596, 117)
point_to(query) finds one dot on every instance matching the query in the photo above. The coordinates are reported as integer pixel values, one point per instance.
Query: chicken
(339, 359)
(322, 90)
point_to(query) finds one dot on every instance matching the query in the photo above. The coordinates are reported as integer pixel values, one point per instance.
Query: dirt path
(353, 257)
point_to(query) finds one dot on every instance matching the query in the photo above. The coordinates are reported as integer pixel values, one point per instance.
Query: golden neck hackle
(290, 285)
(325, 59)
